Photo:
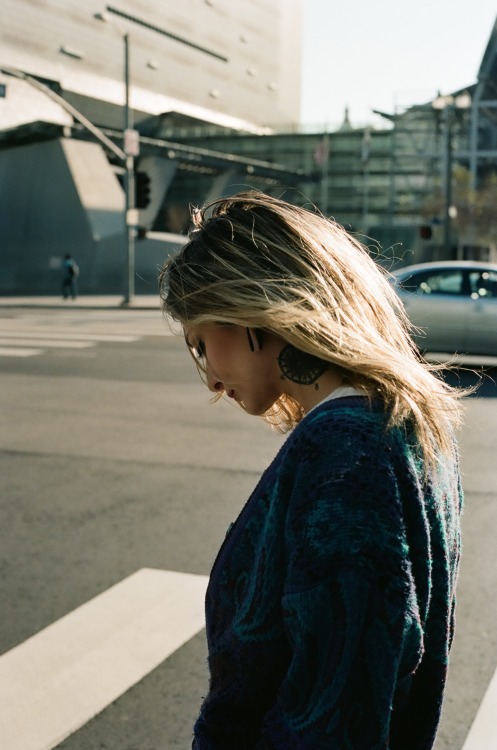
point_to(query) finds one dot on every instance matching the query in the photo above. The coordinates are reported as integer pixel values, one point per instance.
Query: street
(114, 462)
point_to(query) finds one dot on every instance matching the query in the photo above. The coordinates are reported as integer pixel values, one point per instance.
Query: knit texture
(330, 607)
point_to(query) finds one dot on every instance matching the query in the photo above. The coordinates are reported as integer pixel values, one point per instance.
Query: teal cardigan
(330, 606)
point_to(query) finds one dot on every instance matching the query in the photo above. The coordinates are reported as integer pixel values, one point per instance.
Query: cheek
(226, 355)
(218, 362)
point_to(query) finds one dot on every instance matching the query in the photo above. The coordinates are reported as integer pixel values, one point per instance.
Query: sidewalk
(90, 302)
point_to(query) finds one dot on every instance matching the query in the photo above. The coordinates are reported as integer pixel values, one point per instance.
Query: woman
(330, 606)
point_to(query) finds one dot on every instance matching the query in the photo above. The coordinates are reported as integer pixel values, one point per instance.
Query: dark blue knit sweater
(330, 605)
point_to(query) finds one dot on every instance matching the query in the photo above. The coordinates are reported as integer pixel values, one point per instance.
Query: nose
(214, 384)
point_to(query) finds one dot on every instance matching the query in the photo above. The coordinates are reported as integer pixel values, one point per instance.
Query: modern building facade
(74, 76)
(414, 190)
(237, 64)
(213, 95)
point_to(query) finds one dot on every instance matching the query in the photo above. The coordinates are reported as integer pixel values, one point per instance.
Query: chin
(256, 410)
(252, 410)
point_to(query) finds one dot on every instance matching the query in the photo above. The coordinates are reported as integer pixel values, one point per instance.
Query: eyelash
(199, 350)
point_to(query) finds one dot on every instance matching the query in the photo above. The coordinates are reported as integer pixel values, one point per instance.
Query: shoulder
(345, 477)
(348, 412)
(343, 459)
(344, 432)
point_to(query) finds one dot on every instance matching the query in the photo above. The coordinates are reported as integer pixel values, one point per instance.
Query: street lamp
(449, 106)
(131, 150)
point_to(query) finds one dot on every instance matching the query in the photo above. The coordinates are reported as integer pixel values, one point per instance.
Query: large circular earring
(300, 367)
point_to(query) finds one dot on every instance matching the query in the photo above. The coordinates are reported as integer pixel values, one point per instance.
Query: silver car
(454, 303)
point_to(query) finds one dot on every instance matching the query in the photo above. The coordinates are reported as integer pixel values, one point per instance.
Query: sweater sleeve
(346, 643)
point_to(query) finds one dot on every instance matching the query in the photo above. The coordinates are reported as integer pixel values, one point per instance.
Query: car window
(483, 284)
(435, 282)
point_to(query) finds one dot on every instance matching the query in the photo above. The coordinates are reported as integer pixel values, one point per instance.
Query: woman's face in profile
(252, 378)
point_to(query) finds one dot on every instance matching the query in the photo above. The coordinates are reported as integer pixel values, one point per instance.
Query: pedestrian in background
(330, 606)
(70, 275)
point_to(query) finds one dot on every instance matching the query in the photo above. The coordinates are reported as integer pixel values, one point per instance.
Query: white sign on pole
(131, 142)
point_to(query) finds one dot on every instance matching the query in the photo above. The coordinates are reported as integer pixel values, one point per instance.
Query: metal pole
(67, 107)
(365, 149)
(473, 164)
(324, 172)
(448, 112)
(129, 187)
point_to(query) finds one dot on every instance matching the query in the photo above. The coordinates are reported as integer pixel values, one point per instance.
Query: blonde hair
(258, 261)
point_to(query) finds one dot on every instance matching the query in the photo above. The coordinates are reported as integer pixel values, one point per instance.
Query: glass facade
(387, 185)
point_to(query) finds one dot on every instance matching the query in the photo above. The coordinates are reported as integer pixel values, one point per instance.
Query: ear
(253, 339)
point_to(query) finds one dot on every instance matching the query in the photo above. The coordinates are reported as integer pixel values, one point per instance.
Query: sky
(387, 54)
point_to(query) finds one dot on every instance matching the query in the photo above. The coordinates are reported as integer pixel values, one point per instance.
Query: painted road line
(59, 679)
(483, 732)
(104, 337)
(50, 343)
(18, 352)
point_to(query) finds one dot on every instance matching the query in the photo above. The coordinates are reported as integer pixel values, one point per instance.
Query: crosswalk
(33, 343)
(32, 335)
(23, 346)
(60, 678)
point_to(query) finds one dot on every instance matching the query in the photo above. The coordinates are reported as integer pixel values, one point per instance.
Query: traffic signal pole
(130, 219)
(142, 189)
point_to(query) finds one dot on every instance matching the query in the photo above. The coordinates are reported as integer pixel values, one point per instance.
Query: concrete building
(67, 71)
(214, 97)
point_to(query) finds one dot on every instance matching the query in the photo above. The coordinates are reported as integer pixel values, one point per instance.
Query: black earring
(300, 367)
(255, 346)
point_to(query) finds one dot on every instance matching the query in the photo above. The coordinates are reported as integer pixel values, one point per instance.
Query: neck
(308, 396)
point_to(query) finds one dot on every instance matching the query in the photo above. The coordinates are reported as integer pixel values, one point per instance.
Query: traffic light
(425, 232)
(142, 189)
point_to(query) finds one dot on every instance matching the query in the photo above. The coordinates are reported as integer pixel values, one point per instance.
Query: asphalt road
(113, 460)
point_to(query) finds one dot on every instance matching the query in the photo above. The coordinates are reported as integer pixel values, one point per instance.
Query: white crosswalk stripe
(72, 336)
(33, 335)
(483, 732)
(48, 343)
(18, 352)
(56, 681)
